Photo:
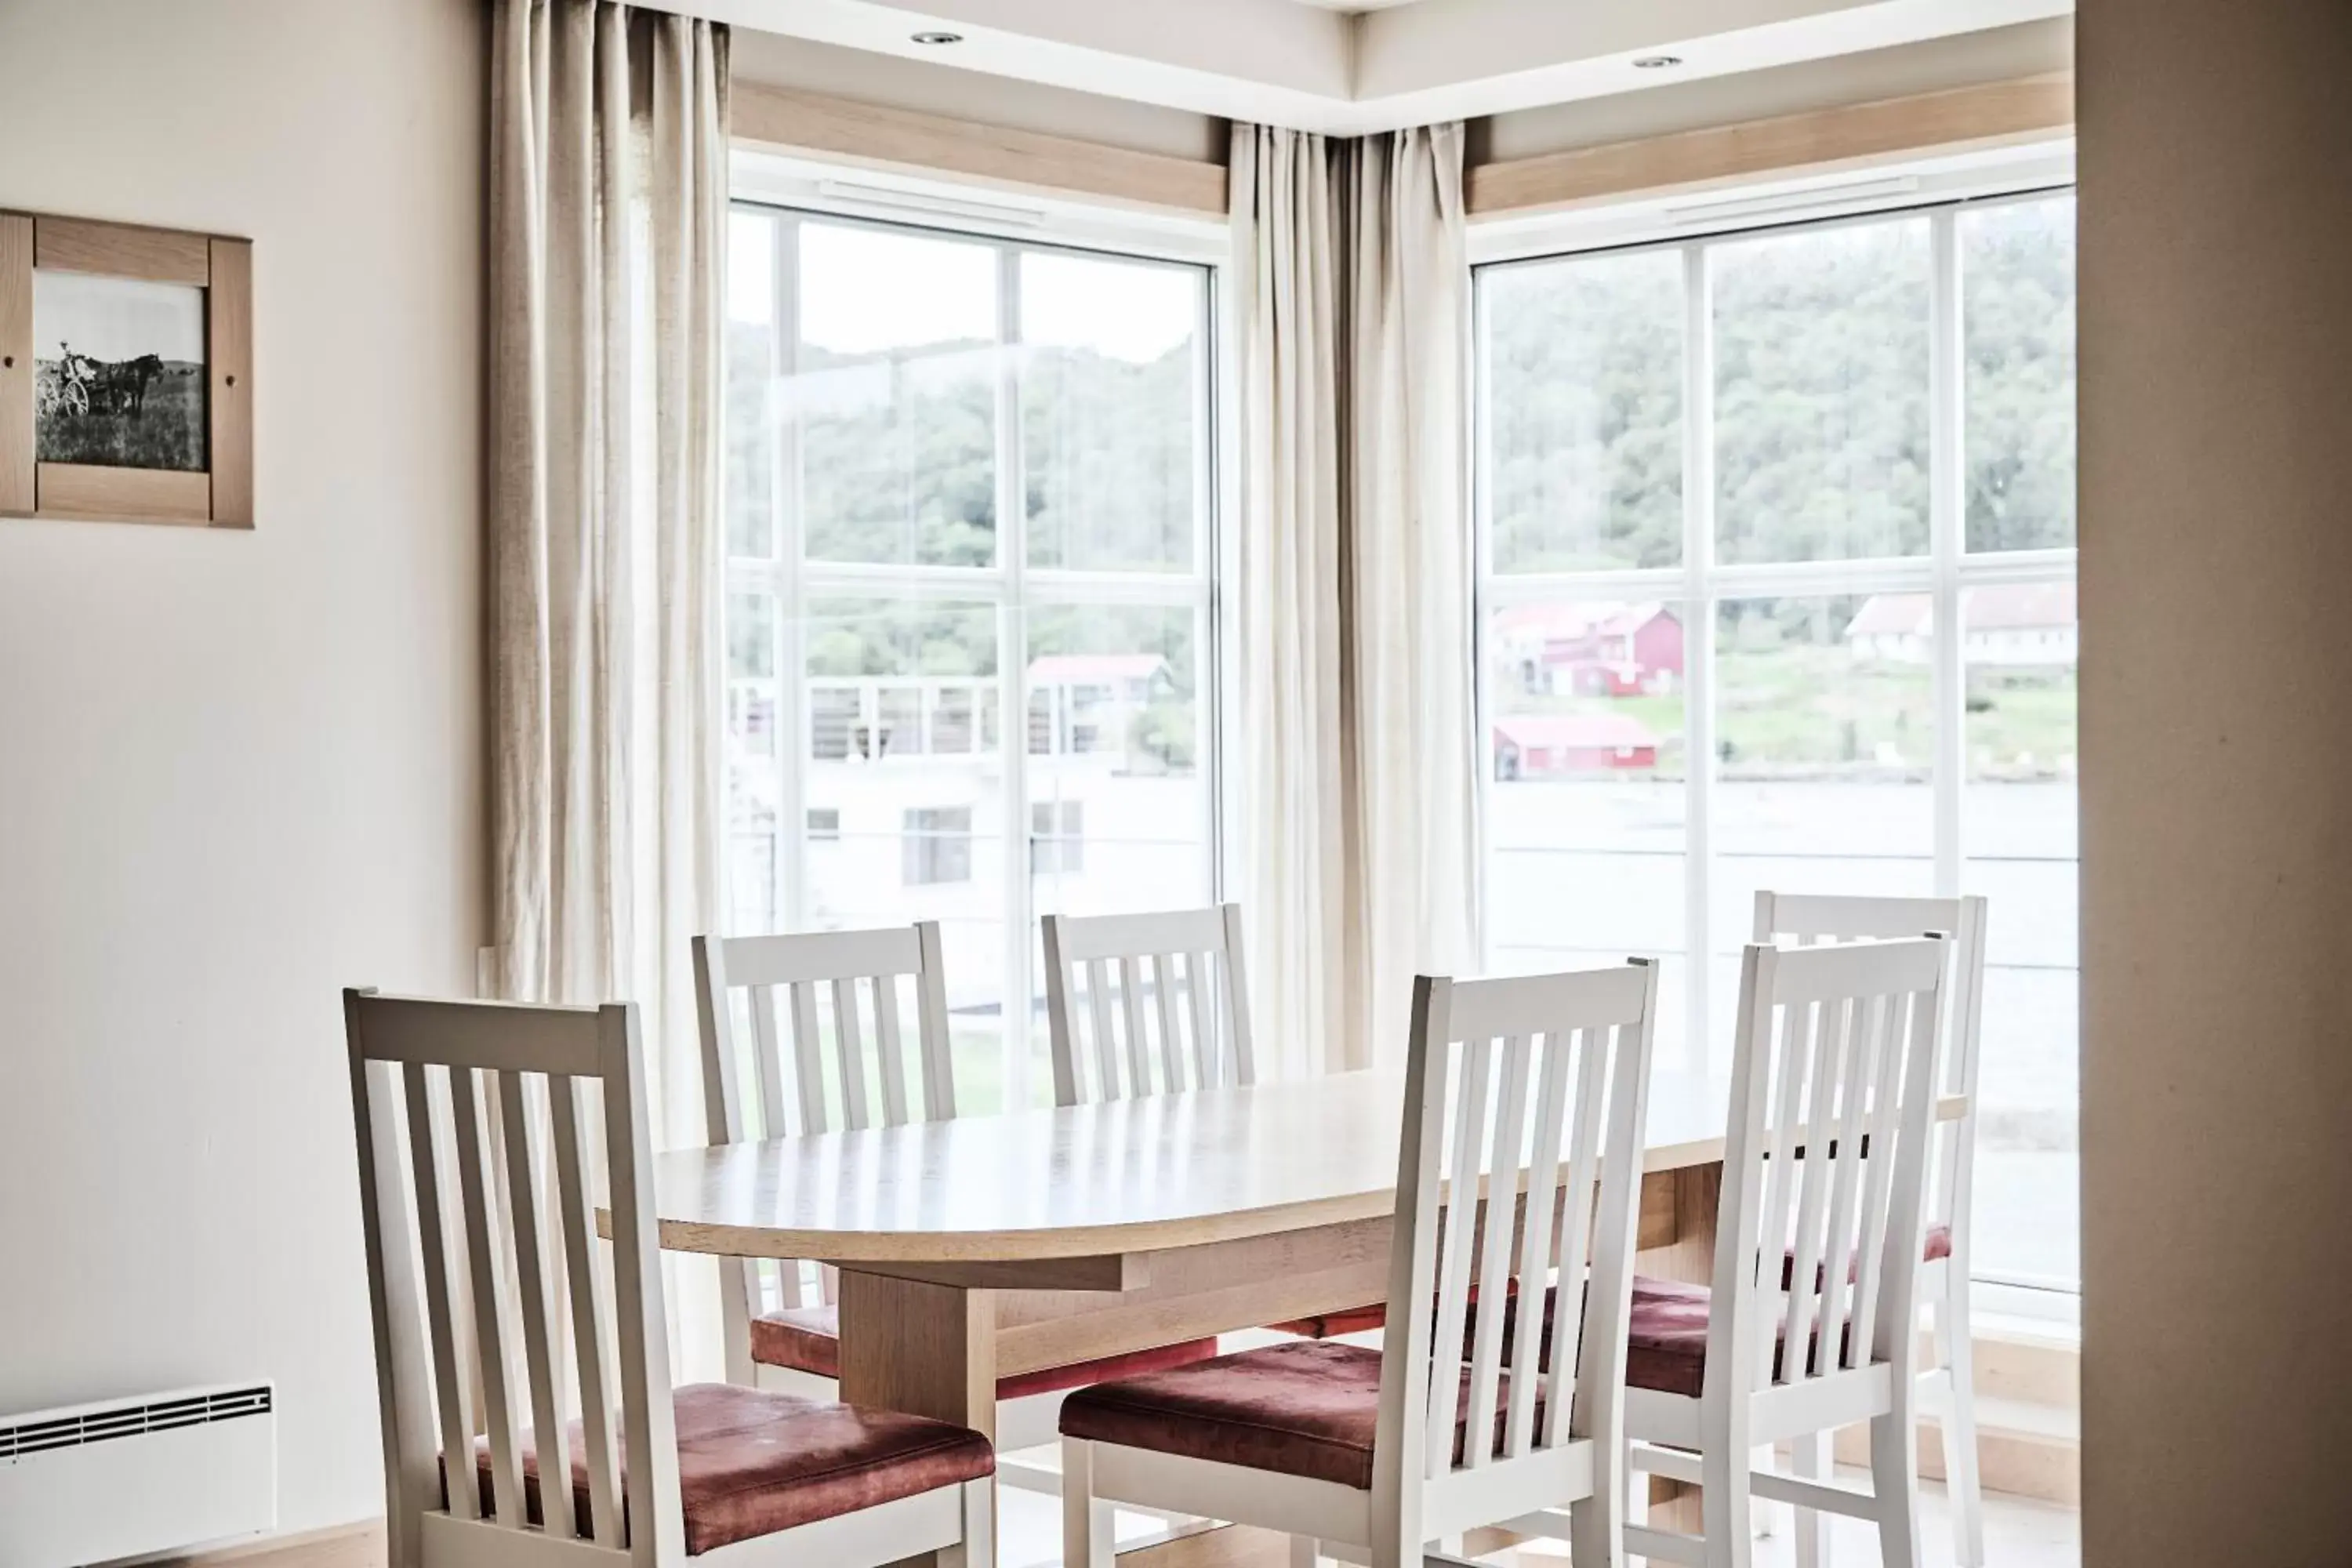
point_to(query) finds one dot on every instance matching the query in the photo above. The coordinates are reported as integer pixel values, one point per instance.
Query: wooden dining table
(989, 1246)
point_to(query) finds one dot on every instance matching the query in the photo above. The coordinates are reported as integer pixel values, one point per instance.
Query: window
(901, 727)
(1057, 837)
(835, 719)
(967, 477)
(937, 846)
(1777, 591)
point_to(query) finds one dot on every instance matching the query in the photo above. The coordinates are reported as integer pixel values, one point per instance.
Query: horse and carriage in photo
(78, 384)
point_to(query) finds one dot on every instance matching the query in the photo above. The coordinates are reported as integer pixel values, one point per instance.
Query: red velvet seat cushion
(1666, 1341)
(808, 1339)
(1937, 1245)
(750, 1463)
(1302, 1409)
(1666, 1346)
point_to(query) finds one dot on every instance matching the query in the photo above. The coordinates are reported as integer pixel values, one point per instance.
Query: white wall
(240, 771)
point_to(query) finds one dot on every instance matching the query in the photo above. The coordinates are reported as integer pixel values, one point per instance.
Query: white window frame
(1938, 191)
(792, 191)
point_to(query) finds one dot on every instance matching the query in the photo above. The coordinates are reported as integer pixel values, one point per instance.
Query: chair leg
(1808, 1456)
(1768, 1512)
(1303, 1552)
(1596, 1526)
(1895, 1479)
(1089, 1539)
(978, 1548)
(1636, 1494)
(1726, 1505)
(1958, 1419)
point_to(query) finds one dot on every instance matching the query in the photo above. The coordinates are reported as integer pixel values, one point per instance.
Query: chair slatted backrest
(1834, 1084)
(1152, 1004)
(469, 1113)
(1812, 918)
(806, 1032)
(1536, 1085)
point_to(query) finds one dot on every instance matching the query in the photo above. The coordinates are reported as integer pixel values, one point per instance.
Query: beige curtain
(608, 189)
(1357, 789)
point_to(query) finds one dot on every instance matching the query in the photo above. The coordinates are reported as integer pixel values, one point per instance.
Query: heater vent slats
(99, 1424)
(136, 1476)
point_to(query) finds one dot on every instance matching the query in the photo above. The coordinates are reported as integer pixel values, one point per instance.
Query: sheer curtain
(1357, 787)
(608, 191)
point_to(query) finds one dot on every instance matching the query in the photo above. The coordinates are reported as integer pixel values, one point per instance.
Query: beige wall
(1964, 59)
(770, 60)
(2216, 320)
(240, 770)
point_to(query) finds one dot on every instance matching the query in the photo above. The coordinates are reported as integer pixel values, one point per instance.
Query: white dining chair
(1147, 1004)
(510, 1341)
(1946, 1384)
(1158, 1004)
(1834, 1084)
(826, 1051)
(1533, 1085)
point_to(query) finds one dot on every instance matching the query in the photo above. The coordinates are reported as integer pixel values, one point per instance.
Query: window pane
(754, 775)
(2017, 303)
(935, 845)
(1824, 762)
(1118, 770)
(1585, 813)
(751, 407)
(1583, 420)
(895, 390)
(872, 366)
(902, 829)
(2020, 833)
(1110, 412)
(1821, 433)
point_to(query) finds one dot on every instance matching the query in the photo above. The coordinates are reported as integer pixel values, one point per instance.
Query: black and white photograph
(120, 372)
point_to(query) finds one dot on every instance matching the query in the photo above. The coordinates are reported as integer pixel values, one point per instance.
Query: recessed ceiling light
(1657, 62)
(938, 38)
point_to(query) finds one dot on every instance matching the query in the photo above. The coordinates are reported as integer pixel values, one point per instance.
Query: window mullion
(1698, 648)
(917, 585)
(1013, 634)
(1818, 579)
(1215, 524)
(1053, 586)
(1947, 523)
(1482, 605)
(790, 905)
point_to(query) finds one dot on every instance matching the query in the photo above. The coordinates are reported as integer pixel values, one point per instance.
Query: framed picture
(126, 372)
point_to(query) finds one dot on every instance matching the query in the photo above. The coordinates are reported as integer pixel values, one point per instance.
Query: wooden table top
(1129, 1176)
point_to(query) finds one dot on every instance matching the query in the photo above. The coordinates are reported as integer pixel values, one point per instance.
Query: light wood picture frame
(181, 432)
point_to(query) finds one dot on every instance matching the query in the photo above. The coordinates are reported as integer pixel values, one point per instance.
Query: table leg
(928, 1349)
(1690, 1195)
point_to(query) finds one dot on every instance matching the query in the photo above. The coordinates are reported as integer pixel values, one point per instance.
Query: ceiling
(1349, 67)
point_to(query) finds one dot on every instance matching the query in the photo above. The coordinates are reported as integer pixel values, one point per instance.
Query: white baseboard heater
(132, 1476)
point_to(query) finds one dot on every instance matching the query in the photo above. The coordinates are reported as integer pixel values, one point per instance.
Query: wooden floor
(2018, 1534)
